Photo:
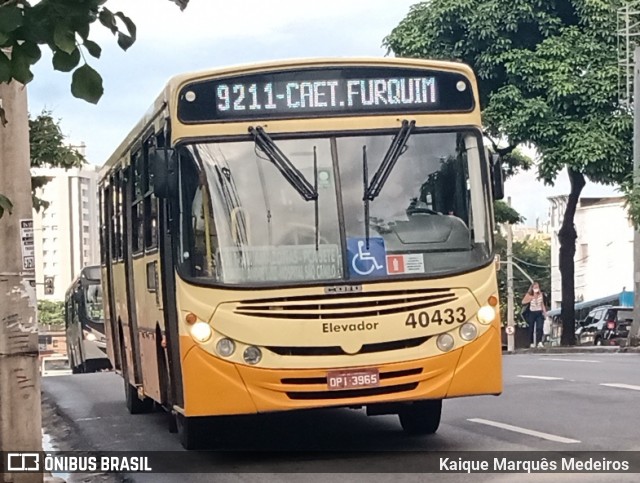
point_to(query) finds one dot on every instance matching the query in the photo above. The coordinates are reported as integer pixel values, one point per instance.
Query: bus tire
(421, 417)
(190, 432)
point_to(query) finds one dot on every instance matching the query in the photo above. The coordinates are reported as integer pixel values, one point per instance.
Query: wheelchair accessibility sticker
(366, 262)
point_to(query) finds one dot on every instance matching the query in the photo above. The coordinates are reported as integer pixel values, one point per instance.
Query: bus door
(108, 301)
(130, 330)
(119, 294)
(146, 278)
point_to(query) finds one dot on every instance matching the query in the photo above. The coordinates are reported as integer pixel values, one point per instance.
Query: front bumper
(213, 386)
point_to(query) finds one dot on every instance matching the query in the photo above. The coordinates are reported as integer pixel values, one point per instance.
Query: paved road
(553, 402)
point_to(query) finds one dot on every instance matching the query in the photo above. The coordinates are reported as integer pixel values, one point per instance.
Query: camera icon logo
(20, 462)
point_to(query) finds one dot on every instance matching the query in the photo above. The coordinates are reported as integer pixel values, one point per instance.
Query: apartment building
(66, 232)
(604, 248)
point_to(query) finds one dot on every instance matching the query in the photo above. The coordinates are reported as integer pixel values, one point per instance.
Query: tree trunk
(567, 237)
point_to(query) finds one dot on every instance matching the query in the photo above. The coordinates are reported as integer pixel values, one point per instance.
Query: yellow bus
(304, 234)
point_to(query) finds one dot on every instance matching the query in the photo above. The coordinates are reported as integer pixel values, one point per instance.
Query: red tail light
(611, 324)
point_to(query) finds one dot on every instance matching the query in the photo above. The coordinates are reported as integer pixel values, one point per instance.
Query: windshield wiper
(295, 178)
(390, 158)
(372, 190)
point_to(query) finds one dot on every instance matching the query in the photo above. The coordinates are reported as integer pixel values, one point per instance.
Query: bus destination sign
(330, 92)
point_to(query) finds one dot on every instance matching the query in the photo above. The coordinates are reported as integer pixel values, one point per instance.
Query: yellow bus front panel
(214, 385)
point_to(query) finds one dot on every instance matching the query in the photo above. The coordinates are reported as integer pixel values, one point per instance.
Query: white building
(66, 232)
(604, 248)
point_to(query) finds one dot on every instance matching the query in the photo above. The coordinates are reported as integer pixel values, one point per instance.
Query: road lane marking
(568, 360)
(544, 378)
(530, 432)
(622, 386)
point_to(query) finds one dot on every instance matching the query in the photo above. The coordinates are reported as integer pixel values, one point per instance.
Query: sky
(210, 34)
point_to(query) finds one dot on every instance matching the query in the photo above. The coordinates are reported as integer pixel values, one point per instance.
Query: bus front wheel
(421, 417)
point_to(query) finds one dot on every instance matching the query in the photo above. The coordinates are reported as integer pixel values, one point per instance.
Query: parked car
(605, 325)
(55, 366)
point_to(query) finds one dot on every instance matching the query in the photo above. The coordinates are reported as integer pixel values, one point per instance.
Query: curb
(52, 479)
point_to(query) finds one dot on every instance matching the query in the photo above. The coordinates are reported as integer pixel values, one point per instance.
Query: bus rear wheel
(421, 417)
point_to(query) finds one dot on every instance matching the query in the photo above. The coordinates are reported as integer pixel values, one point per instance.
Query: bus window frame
(137, 207)
(486, 188)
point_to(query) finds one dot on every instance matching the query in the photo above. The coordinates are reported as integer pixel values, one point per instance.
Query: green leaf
(64, 38)
(124, 41)
(30, 50)
(86, 84)
(83, 30)
(10, 18)
(93, 48)
(131, 27)
(20, 67)
(5, 205)
(66, 62)
(107, 19)
(5, 68)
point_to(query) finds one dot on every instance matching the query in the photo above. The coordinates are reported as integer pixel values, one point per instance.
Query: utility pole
(628, 30)
(635, 326)
(20, 414)
(510, 319)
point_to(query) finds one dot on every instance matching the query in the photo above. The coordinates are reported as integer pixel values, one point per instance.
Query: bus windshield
(242, 221)
(93, 301)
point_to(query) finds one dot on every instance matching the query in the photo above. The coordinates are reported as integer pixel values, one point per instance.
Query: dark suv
(606, 325)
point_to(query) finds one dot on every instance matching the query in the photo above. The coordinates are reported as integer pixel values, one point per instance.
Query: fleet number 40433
(440, 316)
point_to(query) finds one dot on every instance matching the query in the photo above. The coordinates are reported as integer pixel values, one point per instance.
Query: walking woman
(536, 313)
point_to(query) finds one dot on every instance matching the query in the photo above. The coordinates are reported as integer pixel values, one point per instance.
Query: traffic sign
(510, 330)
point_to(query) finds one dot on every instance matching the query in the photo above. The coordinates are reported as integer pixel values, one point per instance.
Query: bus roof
(162, 102)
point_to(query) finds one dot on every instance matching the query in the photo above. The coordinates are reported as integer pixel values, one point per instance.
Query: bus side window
(197, 220)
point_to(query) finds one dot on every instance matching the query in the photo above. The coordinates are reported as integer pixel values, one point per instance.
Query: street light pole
(20, 414)
(510, 318)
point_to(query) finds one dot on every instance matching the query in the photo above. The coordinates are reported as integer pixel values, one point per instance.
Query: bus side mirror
(162, 168)
(497, 175)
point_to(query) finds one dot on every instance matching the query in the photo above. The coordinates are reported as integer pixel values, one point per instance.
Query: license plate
(352, 379)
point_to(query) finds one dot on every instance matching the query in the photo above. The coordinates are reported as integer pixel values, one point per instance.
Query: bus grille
(392, 376)
(351, 393)
(347, 305)
(337, 350)
(323, 380)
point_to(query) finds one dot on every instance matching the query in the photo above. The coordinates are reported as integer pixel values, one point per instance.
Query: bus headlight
(486, 314)
(445, 342)
(468, 331)
(225, 347)
(201, 332)
(90, 336)
(252, 355)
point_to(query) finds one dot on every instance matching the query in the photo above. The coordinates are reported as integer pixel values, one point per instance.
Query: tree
(50, 313)
(503, 213)
(63, 26)
(48, 149)
(547, 73)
